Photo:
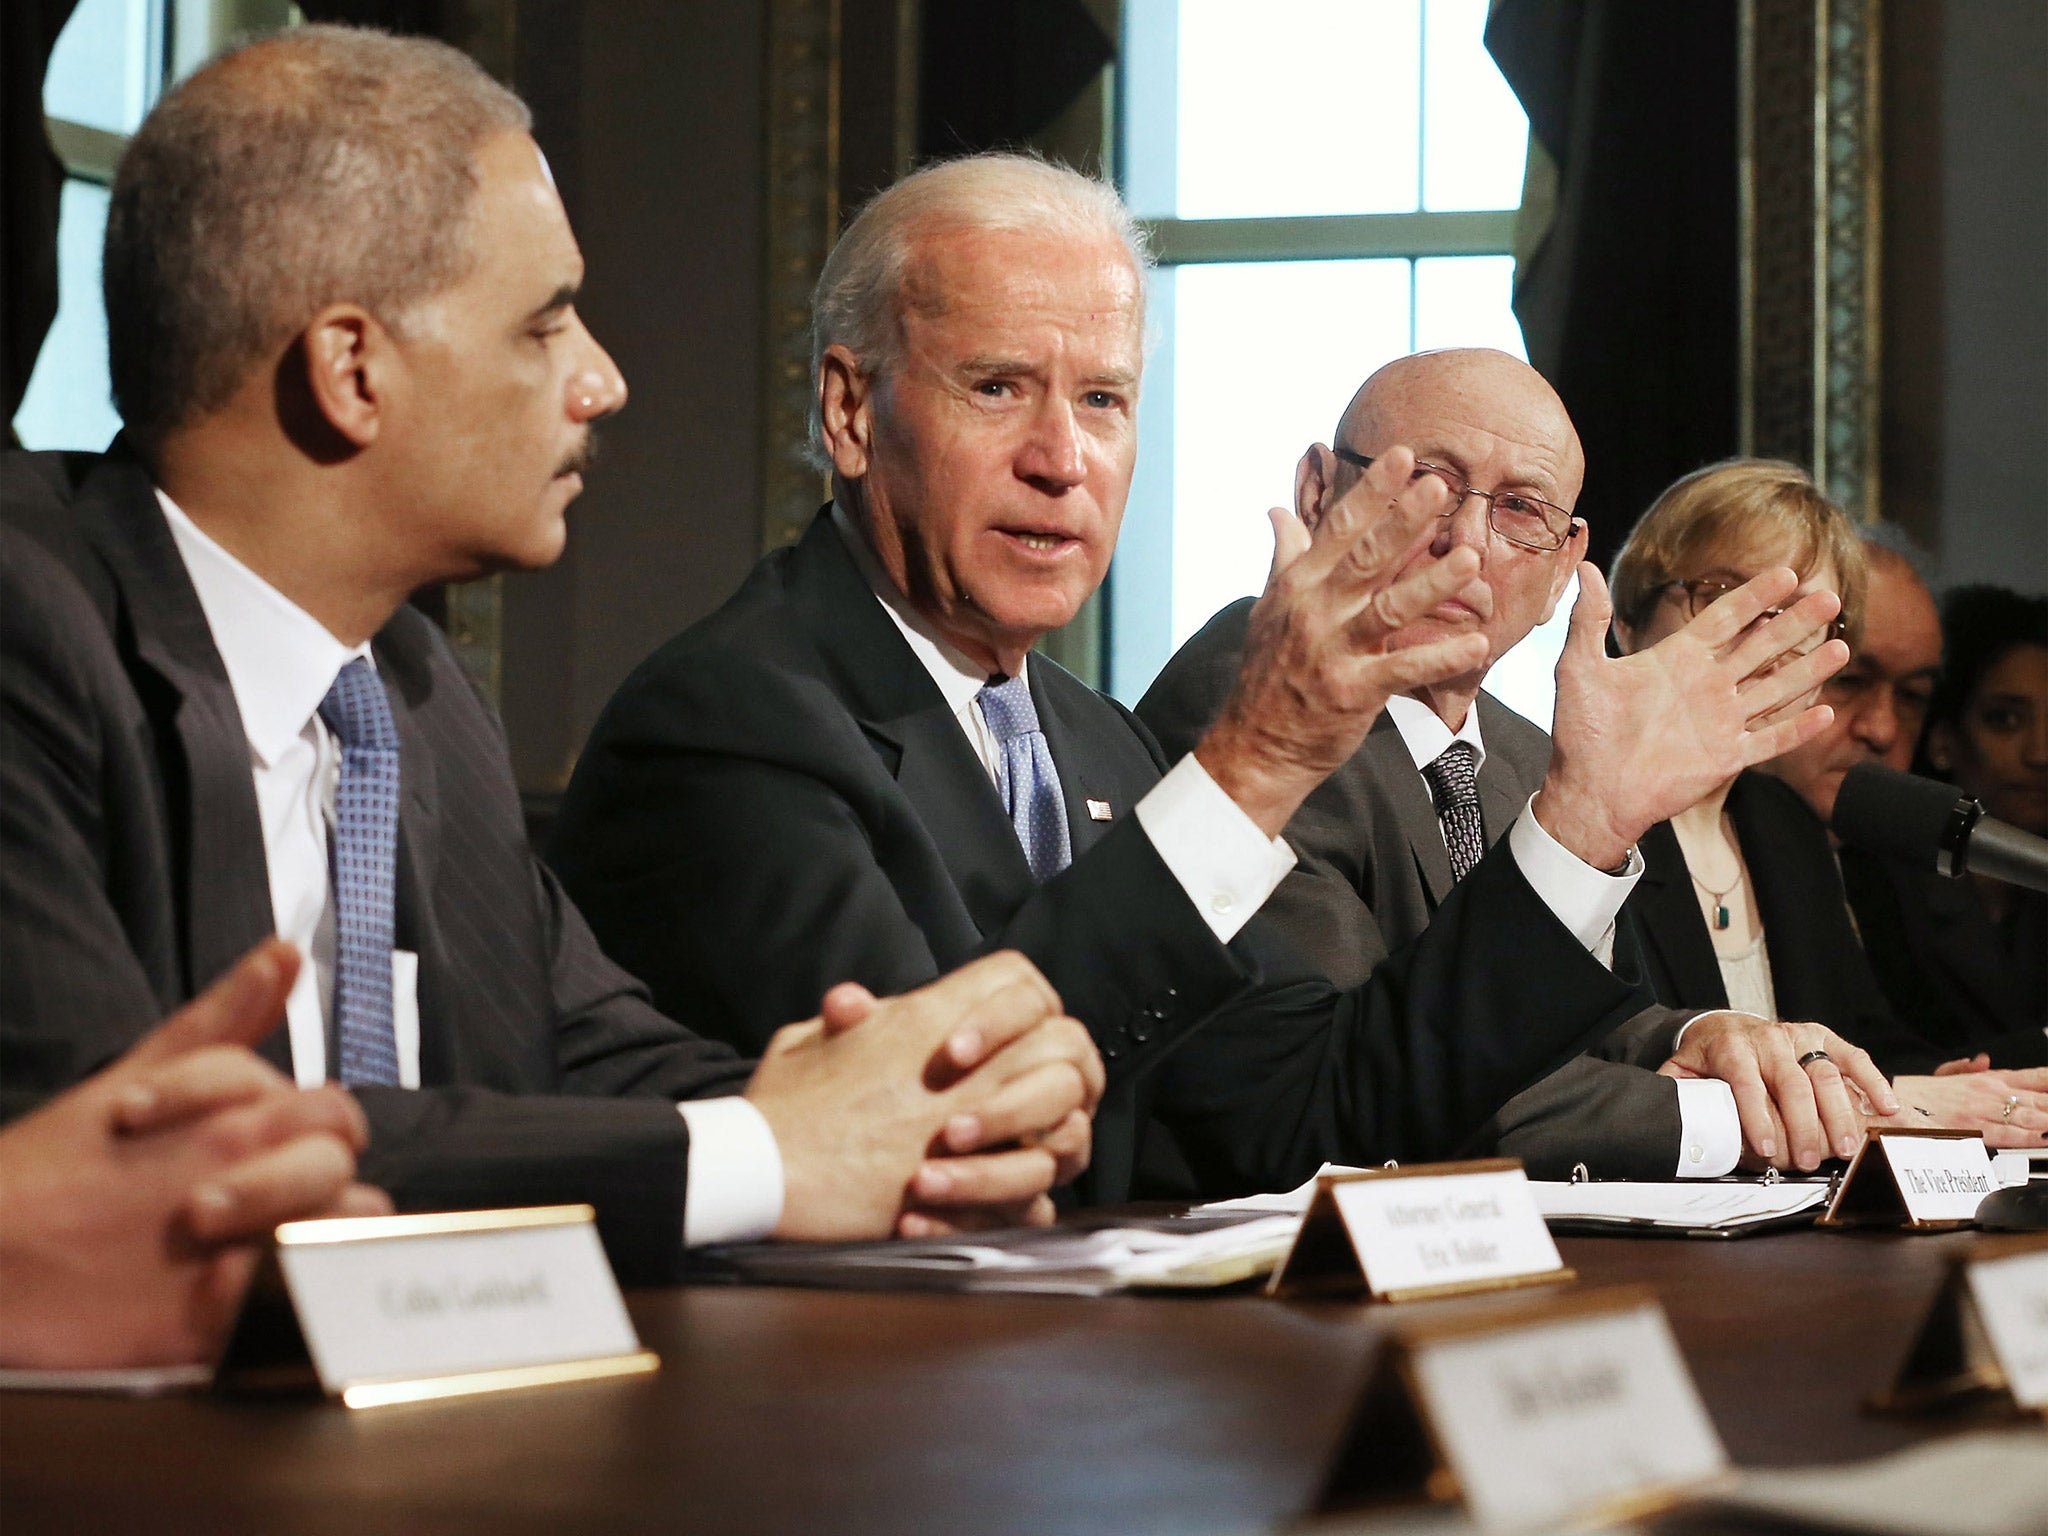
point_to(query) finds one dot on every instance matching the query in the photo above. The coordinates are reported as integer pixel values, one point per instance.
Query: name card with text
(1921, 1180)
(1576, 1409)
(402, 1308)
(1436, 1229)
(1987, 1332)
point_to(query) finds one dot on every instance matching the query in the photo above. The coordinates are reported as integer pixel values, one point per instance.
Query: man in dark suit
(1378, 839)
(852, 769)
(344, 345)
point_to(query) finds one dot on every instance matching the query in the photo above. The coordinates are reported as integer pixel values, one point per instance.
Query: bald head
(1488, 421)
(1498, 394)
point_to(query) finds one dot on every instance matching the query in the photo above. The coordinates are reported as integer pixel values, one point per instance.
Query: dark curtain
(31, 187)
(1630, 304)
(991, 76)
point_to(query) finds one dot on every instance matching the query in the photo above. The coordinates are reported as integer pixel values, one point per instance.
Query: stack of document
(1680, 1207)
(1683, 1207)
(1089, 1258)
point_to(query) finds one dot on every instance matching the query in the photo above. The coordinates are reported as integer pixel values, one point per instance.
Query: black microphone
(1930, 824)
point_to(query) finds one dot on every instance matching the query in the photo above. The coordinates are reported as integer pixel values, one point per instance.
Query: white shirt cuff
(1586, 900)
(732, 1191)
(1222, 860)
(1709, 1130)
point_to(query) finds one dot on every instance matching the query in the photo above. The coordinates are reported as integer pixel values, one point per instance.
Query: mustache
(579, 458)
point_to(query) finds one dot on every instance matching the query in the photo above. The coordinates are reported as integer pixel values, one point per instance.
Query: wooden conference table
(784, 1410)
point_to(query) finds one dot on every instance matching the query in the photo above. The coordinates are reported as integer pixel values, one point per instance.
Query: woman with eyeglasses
(1741, 904)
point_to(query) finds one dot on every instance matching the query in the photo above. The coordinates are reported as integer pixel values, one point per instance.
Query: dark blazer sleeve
(74, 990)
(736, 839)
(1408, 1065)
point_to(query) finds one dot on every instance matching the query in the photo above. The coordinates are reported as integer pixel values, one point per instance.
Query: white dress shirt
(1587, 901)
(280, 662)
(1227, 866)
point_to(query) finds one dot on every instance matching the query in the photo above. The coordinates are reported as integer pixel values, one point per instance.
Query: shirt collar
(959, 679)
(280, 660)
(1426, 736)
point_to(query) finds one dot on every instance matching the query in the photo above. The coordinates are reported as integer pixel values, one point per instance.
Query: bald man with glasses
(1448, 771)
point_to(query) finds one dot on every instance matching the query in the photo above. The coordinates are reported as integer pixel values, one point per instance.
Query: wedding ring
(2012, 1102)
(1814, 1056)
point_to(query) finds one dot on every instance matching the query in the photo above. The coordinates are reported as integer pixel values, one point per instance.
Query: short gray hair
(319, 166)
(858, 303)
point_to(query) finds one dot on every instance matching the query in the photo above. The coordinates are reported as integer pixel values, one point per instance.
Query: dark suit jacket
(1943, 966)
(1372, 878)
(779, 799)
(1818, 969)
(132, 873)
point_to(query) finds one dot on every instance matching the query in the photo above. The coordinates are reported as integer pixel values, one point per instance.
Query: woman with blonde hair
(1741, 903)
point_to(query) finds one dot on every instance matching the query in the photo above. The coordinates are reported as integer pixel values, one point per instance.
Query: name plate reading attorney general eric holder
(1924, 1181)
(398, 1309)
(1406, 1234)
(1532, 1414)
(1987, 1333)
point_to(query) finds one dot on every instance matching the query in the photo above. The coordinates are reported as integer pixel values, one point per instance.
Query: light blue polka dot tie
(1026, 778)
(365, 873)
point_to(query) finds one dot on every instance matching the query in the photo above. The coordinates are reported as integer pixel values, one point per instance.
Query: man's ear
(846, 410)
(349, 360)
(1312, 477)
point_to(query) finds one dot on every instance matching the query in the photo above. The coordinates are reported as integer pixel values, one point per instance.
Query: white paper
(1942, 1178)
(1294, 1200)
(1686, 1204)
(2012, 1166)
(1072, 1260)
(1445, 1229)
(2012, 1302)
(448, 1303)
(1542, 1422)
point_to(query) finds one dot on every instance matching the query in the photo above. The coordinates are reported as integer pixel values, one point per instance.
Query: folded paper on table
(1682, 1207)
(1082, 1258)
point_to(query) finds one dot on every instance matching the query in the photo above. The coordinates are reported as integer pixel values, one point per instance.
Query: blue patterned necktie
(365, 873)
(1026, 778)
(1454, 785)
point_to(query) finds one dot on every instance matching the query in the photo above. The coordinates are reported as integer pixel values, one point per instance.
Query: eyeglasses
(1703, 591)
(1528, 521)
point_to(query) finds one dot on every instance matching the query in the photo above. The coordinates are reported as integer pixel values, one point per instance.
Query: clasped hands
(135, 1199)
(954, 1106)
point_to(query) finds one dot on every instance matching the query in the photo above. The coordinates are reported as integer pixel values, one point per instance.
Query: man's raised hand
(1317, 671)
(1639, 738)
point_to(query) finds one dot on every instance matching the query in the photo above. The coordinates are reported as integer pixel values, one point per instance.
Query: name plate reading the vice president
(1435, 1229)
(1924, 1181)
(390, 1309)
(1532, 1416)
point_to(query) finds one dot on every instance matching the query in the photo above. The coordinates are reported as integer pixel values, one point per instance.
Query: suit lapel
(216, 830)
(1394, 769)
(1671, 924)
(1503, 789)
(903, 713)
(1088, 769)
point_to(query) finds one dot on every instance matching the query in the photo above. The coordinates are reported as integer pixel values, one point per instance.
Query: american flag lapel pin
(1098, 810)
